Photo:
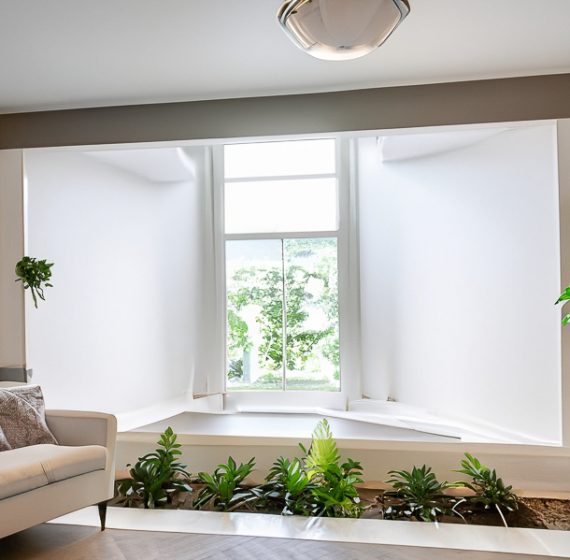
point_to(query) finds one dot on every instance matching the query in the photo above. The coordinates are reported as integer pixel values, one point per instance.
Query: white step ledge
(539, 542)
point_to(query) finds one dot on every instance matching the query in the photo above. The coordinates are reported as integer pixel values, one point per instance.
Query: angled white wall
(116, 330)
(460, 267)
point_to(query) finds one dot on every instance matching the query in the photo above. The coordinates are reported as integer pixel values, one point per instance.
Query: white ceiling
(80, 53)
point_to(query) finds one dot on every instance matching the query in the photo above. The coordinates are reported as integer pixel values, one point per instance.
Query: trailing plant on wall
(156, 476)
(34, 275)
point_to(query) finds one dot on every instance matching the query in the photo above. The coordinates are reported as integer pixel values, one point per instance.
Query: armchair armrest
(73, 427)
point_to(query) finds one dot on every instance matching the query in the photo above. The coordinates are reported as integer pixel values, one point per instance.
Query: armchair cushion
(22, 417)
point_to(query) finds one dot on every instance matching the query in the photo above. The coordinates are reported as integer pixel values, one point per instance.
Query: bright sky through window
(272, 159)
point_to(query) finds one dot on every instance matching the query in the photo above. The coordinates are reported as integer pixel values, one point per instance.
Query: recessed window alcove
(447, 251)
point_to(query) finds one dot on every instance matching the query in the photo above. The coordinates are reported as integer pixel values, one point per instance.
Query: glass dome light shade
(341, 29)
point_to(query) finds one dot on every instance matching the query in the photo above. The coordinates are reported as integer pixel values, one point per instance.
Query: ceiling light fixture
(341, 29)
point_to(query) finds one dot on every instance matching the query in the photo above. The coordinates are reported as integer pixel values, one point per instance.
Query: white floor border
(366, 531)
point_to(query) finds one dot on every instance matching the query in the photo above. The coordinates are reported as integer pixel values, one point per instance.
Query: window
(281, 229)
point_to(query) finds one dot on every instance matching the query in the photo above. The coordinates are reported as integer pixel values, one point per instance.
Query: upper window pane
(276, 159)
(286, 205)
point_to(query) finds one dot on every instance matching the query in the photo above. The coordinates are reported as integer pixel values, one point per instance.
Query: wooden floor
(69, 542)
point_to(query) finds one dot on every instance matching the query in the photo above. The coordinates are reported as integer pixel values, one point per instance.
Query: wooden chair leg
(102, 513)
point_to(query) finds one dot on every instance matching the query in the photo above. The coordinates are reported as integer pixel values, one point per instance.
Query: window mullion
(284, 325)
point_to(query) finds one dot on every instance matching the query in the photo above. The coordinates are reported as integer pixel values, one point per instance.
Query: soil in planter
(533, 513)
(525, 517)
(179, 500)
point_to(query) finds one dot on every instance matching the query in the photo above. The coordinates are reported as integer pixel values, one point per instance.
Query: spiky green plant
(335, 493)
(34, 275)
(490, 490)
(223, 488)
(287, 489)
(322, 452)
(421, 493)
(156, 476)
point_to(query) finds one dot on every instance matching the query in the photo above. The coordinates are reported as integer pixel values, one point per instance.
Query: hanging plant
(35, 275)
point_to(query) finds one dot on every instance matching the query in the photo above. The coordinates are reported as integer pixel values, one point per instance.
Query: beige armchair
(42, 482)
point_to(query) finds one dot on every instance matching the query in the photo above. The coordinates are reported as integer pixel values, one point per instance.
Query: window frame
(294, 400)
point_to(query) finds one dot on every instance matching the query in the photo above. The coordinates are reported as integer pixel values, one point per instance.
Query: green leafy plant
(223, 488)
(287, 489)
(421, 493)
(34, 275)
(156, 476)
(318, 484)
(564, 297)
(335, 494)
(490, 490)
(322, 452)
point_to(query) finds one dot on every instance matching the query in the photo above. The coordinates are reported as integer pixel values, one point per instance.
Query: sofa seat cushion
(28, 468)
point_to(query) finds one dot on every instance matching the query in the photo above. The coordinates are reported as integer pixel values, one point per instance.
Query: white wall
(459, 273)
(116, 332)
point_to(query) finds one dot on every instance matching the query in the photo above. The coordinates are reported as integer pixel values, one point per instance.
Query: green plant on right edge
(490, 490)
(156, 476)
(564, 297)
(421, 493)
(223, 488)
(335, 493)
(34, 275)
